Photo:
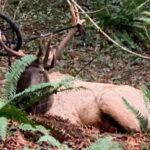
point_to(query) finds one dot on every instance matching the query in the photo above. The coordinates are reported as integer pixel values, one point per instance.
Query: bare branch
(9, 50)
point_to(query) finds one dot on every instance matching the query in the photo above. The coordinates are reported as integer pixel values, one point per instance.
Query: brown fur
(34, 75)
(86, 106)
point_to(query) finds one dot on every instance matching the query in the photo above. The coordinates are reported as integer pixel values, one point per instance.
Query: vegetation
(143, 122)
(98, 59)
(35, 93)
(106, 143)
(127, 22)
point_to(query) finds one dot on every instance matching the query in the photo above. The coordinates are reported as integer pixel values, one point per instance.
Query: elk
(90, 106)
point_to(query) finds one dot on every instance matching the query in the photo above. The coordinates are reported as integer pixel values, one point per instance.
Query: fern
(146, 95)
(11, 112)
(13, 75)
(2, 103)
(105, 143)
(32, 94)
(3, 128)
(142, 120)
(38, 92)
(37, 128)
(52, 141)
(126, 16)
(45, 138)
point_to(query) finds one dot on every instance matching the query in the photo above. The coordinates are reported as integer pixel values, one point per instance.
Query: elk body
(91, 105)
(85, 106)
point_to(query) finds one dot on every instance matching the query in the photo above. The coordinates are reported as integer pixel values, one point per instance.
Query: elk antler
(48, 61)
(53, 54)
(75, 21)
(9, 50)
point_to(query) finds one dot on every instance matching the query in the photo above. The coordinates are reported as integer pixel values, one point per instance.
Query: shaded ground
(75, 137)
(102, 66)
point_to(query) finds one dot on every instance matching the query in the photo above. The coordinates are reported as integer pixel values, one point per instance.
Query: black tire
(15, 30)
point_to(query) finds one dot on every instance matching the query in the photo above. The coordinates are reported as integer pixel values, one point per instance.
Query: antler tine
(72, 12)
(40, 52)
(47, 51)
(75, 20)
(75, 14)
(9, 50)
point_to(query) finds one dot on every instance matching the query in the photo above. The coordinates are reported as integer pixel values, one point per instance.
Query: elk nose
(41, 69)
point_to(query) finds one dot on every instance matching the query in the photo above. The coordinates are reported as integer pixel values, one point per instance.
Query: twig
(17, 9)
(81, 69)
(4, 5)
(107, 36)
(93, 12)
(89, 62)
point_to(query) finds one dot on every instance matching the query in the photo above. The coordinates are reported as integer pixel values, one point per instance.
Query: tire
(15, 30)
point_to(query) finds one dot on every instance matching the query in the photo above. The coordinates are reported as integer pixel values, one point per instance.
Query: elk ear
(40, 52)
(48, 61)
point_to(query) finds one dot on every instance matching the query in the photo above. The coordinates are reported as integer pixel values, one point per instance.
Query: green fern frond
(130, 106)
(46, 137)
(67, 82)
(2, 103)
(130, 16)
(105, 143)
(11, 112)
(142, 120)
(32, 94)
(145, 13)
(146, 95)
(36, 128)
(3, 128)
(51, 140)
(38, 92)
(13, 74)
(145, 20)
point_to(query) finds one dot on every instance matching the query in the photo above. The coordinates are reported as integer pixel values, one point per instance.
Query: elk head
(34, 74)
(37, 72)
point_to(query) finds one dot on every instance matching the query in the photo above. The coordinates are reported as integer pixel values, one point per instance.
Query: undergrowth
(10, 98)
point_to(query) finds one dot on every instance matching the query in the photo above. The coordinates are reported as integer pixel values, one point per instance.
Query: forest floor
(73, 136)
(91, 66)
(91, 63)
